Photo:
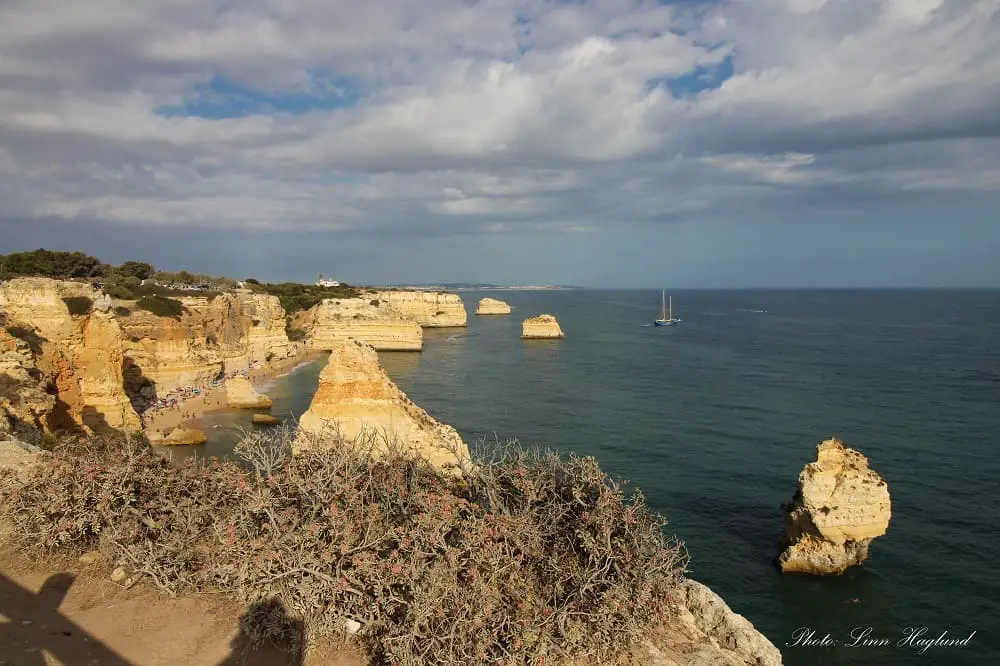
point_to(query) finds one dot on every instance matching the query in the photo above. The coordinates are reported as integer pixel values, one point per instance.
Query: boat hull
(667, 322)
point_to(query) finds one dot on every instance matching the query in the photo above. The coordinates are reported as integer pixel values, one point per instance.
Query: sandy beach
(210, 398)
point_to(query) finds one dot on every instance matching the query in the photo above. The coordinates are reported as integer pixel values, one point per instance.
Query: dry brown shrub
(531, 558)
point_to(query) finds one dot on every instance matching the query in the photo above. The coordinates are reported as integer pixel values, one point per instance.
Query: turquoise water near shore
(715, 418)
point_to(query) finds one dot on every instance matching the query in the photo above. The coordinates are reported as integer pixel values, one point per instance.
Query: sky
(621, 143)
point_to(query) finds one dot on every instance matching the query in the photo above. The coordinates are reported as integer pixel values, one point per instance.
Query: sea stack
(840, 506)
(542, 327)
(241, 394)
(357, 403)
(182, 437)
(492, 306)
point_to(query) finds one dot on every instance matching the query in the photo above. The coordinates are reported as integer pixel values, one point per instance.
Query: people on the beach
(178, 396)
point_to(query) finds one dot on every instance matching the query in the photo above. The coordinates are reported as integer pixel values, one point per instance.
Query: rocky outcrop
(840, 506)
(430, 309)
(706, 632)
(23, 399)
(334, 321)
(81, 354)
(229, 332)
(265, 419)
(19, 458)
(109, 361)
(542, 327)
(241, 394)
(357, 403)
(492, 306)
(182, 437)
(100, 363)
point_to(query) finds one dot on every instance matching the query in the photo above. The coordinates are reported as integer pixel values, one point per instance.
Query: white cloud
(504, 114)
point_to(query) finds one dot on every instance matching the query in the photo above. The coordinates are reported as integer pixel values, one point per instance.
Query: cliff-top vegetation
(295, 296)
(531, 558)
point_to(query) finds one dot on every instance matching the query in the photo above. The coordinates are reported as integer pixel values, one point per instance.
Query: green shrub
(119, 291)
(295, 296)
(54, 264)
(531, 557)
(122, 311)
(78, 306)
(295, 334)
(161, 306)
(139, 270)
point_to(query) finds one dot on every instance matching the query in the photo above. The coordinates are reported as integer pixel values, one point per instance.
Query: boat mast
(663, 304)
(671, 306)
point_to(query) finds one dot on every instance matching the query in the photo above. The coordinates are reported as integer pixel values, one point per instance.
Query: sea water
(715, 418)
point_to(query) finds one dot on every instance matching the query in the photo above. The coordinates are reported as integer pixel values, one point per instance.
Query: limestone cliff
(706, 632)
(241, 394)
(229, 332)
(357, 401)
(81, 353)
(492, 306)
(334, 321)
(100, 363)
(23, 399)
(430, 309)
(840, 506)
(541, 327)
(104, 361)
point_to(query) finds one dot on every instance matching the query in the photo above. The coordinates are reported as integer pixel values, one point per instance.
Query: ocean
(715, 418)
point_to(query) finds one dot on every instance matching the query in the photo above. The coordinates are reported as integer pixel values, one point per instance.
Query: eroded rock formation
(99, 365)
(229, 332)
(241, 394)
(840, 506)
(182, 437)
(106, 359)
(81, 353)
(707, 632)
(23, 399)
(430, 309)
(357, 402)
(492, 306)
(334, 321)
(541, 327)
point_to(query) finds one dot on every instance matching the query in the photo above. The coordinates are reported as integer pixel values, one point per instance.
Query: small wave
(301, 365)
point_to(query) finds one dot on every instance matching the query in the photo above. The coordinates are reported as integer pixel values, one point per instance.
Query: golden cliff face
(82, 353)
(492, 306)
(542, 327)
(428, 308)
(100, 360)
(228, 332)
(99, 364)
(356, 401)
(23, 398)
(840, 506)
(334, 321)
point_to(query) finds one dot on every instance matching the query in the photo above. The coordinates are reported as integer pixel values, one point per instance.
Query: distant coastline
(455, 286)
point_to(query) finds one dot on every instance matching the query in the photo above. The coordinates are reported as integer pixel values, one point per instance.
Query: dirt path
(74, 616)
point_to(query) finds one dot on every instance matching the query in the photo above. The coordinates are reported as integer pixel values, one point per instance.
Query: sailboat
(665, 320)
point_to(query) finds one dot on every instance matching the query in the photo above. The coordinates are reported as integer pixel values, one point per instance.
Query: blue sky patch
(222, 98)
(705, 77)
